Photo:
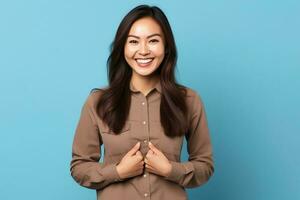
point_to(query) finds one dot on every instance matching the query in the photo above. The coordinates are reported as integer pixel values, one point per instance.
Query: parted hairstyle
(114, 103)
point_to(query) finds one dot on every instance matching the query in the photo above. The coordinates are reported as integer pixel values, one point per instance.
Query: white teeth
(144, 61)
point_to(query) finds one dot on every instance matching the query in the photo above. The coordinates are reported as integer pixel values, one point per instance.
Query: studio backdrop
(242, 57)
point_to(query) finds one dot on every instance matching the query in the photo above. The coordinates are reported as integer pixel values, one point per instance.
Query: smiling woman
(144, 49)
(141, 118)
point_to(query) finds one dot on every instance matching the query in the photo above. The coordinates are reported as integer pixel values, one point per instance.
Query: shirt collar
(157, 86)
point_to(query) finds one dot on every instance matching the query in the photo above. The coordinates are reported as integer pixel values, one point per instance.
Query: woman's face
(144, 48)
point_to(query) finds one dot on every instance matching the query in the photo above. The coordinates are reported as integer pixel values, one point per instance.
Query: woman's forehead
(145, 27)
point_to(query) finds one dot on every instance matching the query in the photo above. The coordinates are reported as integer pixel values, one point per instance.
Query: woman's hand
(156, 162)
(132, 163)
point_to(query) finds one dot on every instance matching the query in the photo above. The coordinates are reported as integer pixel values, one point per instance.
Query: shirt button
(146, 194)
(145, 141)
(145, 175)
(143, 103)
(144, 122)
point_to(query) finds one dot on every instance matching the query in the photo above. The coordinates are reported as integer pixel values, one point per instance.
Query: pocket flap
(107, 130)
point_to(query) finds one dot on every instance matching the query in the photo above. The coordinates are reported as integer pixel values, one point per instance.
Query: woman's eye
(154, 40)
(133, 41)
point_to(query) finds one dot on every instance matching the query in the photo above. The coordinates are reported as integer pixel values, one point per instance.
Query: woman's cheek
(159, 50)
(134, 47)
(130, 50)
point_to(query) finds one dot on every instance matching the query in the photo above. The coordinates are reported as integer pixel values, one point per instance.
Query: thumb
(138, 153)
(134, 149)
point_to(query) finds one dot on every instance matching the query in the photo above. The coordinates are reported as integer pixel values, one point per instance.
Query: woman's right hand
(132, 164)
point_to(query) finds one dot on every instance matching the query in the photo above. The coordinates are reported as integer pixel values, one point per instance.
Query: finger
(146, 161)
(141, 163)
(139, 156)
(134, 149)
(138, 165)
(149, 153)
(153, 148)
(152, 171)
(138, 153)
(149, 167)
(137, 172)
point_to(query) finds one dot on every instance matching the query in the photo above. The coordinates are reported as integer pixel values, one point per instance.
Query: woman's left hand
(156, 162)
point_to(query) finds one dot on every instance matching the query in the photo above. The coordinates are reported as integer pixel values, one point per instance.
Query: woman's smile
(144, 62)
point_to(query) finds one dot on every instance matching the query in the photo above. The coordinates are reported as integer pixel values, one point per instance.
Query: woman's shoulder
(189, 92)
(193, 97)
(96, 91)
(94, 96)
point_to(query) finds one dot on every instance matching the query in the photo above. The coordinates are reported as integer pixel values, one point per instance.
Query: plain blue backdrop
(243, 57)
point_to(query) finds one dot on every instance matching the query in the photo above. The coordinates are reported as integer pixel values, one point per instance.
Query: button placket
(145, 123)
(145, 117)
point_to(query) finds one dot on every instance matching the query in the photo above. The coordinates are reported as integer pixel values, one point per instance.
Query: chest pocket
(116, 144)
(170, 145)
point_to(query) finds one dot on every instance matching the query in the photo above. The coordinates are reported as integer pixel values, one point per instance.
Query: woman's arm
(85, 167)
(199, 167)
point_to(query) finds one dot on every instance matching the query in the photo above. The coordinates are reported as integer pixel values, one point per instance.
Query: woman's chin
(144, 73)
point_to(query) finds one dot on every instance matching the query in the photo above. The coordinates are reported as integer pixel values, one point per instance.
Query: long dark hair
(114, 104)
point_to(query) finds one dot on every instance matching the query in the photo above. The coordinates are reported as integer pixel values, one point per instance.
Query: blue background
(243, 57)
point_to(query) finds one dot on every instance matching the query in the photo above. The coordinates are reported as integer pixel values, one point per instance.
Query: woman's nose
(144, 49)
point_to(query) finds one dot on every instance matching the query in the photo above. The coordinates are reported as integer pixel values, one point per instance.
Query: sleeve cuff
(110, 173)
(178, 171)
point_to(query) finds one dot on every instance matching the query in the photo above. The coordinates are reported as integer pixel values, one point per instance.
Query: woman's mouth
(144, 62)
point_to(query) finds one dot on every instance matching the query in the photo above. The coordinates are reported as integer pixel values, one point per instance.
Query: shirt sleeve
(85, 167)
(199, 167)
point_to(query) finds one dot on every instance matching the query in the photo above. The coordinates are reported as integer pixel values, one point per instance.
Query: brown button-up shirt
(143, 124)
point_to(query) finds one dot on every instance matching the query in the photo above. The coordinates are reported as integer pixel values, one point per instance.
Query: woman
(141, 118)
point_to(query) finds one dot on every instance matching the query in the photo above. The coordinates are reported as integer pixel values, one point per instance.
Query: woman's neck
(144, 84)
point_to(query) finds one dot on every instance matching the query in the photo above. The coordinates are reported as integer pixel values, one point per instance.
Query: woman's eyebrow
(152, 35)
